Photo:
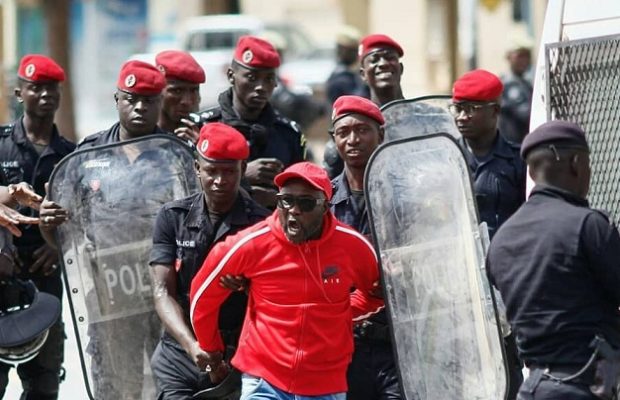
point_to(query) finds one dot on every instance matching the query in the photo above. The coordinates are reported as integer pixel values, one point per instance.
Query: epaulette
(287, 122)
(605, 215)
(89, 138)
(211, 114)
(6, 130)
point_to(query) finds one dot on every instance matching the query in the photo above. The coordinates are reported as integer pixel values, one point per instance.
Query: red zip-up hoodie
(297, 333)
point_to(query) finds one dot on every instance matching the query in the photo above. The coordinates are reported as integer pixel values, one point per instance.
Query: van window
(220, 40)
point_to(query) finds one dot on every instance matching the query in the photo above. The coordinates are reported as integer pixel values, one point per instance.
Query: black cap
(25, 313)
(560, 133)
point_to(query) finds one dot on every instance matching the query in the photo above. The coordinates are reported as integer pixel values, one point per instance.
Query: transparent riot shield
(113, 194)
(425, 226)
(419, 116)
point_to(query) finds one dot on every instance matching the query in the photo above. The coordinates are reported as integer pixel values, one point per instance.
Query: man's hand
(10, 218)
(265, 196)
(45, 260)
(51, 215)
(213, 363)
(237, 283)
(262, 171)
(24, 195)
(188, 132)
(200, 357)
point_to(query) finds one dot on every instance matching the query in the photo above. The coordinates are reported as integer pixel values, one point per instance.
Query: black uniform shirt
(342, 81)
(271, 136)
(349, 210)
(499, 182)
(184, 235)
(21, 162)
(556, 263)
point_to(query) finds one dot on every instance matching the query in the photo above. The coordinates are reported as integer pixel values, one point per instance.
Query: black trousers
(372, 374)
(176, 375)
(549, 390)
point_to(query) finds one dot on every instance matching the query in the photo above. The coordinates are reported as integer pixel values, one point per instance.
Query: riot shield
(442, 312)
(113, 194)
(418, 116)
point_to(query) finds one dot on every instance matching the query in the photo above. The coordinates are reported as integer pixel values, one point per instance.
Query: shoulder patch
(287, 122)
(6, 130)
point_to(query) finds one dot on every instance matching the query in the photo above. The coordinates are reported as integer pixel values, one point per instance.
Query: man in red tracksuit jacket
(301, 263)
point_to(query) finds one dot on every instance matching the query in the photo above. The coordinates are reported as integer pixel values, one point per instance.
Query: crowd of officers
(274, 247)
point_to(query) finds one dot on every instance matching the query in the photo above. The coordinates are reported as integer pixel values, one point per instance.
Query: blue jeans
(255, 388)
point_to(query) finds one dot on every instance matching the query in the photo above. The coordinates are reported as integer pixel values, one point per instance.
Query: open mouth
(293, 227)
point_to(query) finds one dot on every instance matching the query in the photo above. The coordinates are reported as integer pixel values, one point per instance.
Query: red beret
(477, 85)
(39, 68)
(219, 141)
(180, 65)
(141, 78)
(376, 42)
(252, 52)
(309, 172)
(346, 105)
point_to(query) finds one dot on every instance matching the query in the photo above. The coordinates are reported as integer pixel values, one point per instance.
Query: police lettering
(126, 278)
(9, 164)
(186, 243)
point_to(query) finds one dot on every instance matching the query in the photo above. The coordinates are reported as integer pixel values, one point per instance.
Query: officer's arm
(601, 243)
(207, 296)
(366, 299)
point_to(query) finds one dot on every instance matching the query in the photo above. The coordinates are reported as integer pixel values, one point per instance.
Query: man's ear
(18, 94)
(230, 74)
(381, 134)
(244, 167)
(363, 73)
(197, 168)
(574, 164)
(402, 68)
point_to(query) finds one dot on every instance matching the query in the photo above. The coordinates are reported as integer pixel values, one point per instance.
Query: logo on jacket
(330, 274)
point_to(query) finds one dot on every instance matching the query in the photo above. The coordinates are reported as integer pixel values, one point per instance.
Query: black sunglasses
(304, 203)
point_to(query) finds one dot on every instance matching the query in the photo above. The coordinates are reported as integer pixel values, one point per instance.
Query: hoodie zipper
(299, 351)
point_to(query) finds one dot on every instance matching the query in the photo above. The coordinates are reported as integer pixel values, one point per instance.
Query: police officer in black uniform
(358, 131)
(29, 149)
(185, 230)
(381, 70)
(497, 170)
(555, 263)
(345, 78)
(275, 142)
(514, 121)
(181, 96)
(116, 373)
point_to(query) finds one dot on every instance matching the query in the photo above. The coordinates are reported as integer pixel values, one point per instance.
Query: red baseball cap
(141, 78)
(346, 105)
(477, 85)
(253, 52)
(375, 42)
(180, 65)
(222, 142)
(39, 68)
(309, 172)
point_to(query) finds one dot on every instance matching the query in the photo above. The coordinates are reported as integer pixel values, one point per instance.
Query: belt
(574, 374)
(372, 331)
